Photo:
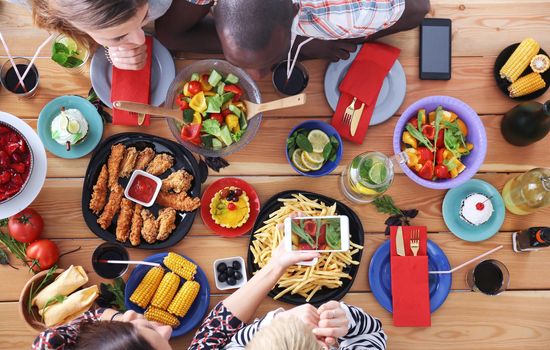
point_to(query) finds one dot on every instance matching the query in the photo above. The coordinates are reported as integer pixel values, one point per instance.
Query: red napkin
(133, 86)
(409, 281)
(363, 80)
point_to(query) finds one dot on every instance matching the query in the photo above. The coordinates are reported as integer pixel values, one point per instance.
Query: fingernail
(314, 331)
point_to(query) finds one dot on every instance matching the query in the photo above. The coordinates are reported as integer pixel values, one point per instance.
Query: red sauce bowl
(143, 188)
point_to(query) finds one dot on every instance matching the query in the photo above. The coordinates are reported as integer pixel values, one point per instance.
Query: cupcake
(476, 209)
(69, 127)
(230, 207)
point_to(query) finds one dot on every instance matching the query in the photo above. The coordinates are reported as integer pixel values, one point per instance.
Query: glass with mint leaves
(69, 54)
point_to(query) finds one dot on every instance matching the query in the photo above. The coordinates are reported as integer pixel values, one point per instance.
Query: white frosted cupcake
(476, 209)
(69, 126)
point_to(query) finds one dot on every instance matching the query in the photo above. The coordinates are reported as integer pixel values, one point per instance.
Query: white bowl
(225, 285)
(157, 180)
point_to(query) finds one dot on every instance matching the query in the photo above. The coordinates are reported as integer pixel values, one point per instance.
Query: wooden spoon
(252, 109)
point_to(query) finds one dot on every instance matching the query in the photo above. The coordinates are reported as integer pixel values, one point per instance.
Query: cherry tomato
(310, 227)
(322, 236)
(236, 90)
(441, 172)
(414, 122)
(425, 155)
(191, 133)
(428, 131)
(440, 138)
(439, 157)
(194, 87)
(217, 116)
(182, 103)
(26, 225)
(43, 254)
(427, 170)
(226, 112)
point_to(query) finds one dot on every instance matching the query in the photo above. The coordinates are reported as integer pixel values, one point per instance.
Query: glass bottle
(527, 192)
(526, 123)
(533, 238)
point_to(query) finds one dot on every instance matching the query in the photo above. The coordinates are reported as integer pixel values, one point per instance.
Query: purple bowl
(476, 136)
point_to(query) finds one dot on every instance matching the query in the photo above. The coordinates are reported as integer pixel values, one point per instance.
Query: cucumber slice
(214, 78)
(232, 79)
(220, 88)
(195, 76)
(235, 110)
(225, 135)
(216, 144)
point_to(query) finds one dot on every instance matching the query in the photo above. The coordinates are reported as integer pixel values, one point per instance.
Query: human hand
(282, 259)
(306, 313)
(333, 322)
(333, 50)
(128, 58)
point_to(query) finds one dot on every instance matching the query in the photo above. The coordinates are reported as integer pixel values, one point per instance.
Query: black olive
(222, 277)
(222, 267)
(230, 272)
(238, 275)
(231, 281)
(236, 265)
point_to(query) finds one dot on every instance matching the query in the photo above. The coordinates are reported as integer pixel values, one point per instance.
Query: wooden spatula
(142, 109)
(252, 109)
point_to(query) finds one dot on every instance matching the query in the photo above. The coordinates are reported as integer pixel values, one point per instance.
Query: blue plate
(380, 276)
(462, 229)
(95, 126)
(197, 311)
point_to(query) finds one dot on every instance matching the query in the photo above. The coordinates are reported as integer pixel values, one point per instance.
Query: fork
(349, 112)
(415, 241)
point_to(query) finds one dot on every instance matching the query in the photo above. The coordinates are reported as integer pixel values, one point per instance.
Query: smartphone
(318, 234)
(435, 49)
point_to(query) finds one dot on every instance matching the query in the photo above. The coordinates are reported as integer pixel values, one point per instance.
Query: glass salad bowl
(251, 92)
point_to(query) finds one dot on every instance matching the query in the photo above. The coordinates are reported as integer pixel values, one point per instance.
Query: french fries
(302, 280)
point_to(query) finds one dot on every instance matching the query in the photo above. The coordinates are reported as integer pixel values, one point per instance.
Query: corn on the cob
(526, 85)
(184, 298)
(180, 266)
(166, 291)
(146, 289)
(540, 63)
(520, 59)
(161, 316)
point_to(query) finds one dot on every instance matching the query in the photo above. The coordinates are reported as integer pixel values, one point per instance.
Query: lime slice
(310, 165)
(73, 127)
(63, 122)
(378, 173)
(318, 140)
(69, 42)
(314, 157)
(297, 160)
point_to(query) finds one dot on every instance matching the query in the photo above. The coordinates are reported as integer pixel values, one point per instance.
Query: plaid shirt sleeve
(66, 335)
(216, 330)
(201, 2)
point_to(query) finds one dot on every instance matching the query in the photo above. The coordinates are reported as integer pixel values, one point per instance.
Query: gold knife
(355, 119)
(399, 243)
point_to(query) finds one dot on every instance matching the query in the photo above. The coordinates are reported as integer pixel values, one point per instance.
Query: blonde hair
(287, 334)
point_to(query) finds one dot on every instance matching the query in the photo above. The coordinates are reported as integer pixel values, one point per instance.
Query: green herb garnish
(419, 136)
(302, 234)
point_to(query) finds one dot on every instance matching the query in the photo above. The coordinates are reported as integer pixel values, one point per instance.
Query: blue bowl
(329, 166)
(197, 311)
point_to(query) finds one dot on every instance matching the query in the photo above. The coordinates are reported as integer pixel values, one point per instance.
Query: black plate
(503, 83)
(183, 159)
(357, 236)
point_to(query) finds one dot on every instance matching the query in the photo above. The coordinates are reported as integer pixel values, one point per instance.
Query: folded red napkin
(133, 86)
(409, 281)
(363, 80)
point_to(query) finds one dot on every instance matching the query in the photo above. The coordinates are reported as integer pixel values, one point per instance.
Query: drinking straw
(468, 262)
(289, 66)
(12, 63)
(128, 262)
(35, 56)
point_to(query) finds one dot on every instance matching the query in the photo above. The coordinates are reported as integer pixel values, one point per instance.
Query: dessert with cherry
(230, 207)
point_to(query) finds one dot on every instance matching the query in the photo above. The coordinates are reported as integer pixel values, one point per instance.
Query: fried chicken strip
(137, 224)
(113, 163)
(128, 162)
(150, 229)
(160, 164)
(179, 181)
(124, 220)
(99, 193)
(111, 208)
(144, 158)
(179, 201)
(166, 223)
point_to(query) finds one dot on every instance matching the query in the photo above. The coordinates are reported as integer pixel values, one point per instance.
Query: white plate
(38, 174)
(390, 98)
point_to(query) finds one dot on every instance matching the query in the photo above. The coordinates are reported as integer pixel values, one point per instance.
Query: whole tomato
(42, 254)
(194, 87)
(26, 226)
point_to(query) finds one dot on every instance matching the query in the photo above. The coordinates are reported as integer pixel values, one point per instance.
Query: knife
(355, 119)
(399, 243)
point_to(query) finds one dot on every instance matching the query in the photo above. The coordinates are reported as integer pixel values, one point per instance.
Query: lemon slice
(310, 165)
(73, 127)
(297, 160)
(378, 173)
(364, 190)
(318, 140)
(314, 157)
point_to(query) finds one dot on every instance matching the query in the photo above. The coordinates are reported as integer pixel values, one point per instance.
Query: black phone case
(435, 22)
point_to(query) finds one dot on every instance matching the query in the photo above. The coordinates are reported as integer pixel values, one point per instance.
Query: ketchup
(142, 188)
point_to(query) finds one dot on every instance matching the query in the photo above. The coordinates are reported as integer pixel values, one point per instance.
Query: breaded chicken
(160, 164)
(128, 162)
(113, 163)
(144, 158)
(150, 228)
(99, 193)
(137, 224)
(179, 181)
(179, 201)
(166, 223)
(112, 207)
(124, 220)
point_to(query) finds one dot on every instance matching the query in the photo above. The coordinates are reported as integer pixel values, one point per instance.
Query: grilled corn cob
(520, 59)
(166, 291)
(184, 298)
(180, 266)
(161, 316)
(540, 63)
(147, 287)
(526, 85)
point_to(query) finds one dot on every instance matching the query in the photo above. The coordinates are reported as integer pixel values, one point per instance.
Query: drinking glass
(297, 82)
(490, 277)
(83, 53)
(10, 81)
(110, 251)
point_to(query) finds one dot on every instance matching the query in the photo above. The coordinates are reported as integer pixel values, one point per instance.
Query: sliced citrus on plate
(308, 164)
(378, 173)
(314, 157)
(297, 160)
(318, 140)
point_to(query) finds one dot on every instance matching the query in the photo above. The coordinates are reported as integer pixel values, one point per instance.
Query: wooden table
(517, 319)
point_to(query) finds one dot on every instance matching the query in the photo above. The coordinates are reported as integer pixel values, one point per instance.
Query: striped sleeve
(201, 2)
(245, 335)
(365, 331)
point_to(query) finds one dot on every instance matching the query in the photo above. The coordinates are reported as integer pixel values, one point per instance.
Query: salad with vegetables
(214, 116)
(316, 234)
(435, 144)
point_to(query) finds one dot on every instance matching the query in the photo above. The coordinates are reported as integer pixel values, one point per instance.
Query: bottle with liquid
(533, 238)
(526, 123)
(527, 192)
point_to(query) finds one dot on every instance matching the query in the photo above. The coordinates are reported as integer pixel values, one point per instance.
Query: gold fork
(415, 241)
(349, 112)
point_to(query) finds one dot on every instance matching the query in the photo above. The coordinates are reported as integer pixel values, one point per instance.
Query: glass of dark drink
(10, 81)
(295, 84)
(489, 277)
(109, 251)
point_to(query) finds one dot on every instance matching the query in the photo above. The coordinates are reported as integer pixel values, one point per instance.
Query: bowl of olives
(230, 273)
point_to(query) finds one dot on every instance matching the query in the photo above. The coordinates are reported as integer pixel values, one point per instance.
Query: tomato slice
(310, 227)
(425, 155)
(428, 131)
(191, 133)
(440, 157)
(217, 116)
(414, 122)
(427, 170)
(194, 87)
(236, 90)
(440, 138)
(441, 172)
(323, 236)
